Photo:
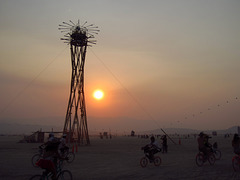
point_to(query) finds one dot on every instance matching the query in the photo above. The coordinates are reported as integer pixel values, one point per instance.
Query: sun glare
(98, 94)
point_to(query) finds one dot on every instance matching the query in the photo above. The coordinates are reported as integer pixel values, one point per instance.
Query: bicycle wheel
(217, 154)
(199, 159)
(236, 163)
(144, 162)
(35, 159)
(65, 174)
(211, 159)
(157, 161)
(37, 177)
(71, 157)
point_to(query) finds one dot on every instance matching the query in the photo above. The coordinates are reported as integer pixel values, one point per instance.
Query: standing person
(151, 148)
(164, 144)
(236, 144)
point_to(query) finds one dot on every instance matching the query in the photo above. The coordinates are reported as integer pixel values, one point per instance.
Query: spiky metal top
(77, 34)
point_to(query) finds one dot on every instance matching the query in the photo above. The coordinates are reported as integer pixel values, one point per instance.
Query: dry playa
(118, 159)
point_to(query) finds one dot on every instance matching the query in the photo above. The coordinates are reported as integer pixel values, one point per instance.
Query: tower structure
(79, 37)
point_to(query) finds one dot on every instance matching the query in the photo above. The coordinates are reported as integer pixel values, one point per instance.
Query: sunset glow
(171, 63)
(98, 94)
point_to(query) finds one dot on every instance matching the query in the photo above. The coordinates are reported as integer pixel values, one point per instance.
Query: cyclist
(236, 144)
(49, 161)
(151, 149)
(63, 145)
(203, 144)
(50, 156)
(51, 137)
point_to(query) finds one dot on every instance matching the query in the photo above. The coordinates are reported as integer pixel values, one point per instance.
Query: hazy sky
(161, 64)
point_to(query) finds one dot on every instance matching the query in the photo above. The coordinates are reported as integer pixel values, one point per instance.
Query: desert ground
(118, 159)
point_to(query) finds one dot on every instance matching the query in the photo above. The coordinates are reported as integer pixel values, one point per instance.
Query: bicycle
(201, 158)
(61, 174)
(144, 160)
(38, 156)
(68, 155)
(216, 151)
(236, 163)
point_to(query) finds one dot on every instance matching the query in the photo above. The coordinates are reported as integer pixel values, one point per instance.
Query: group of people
(205, 147)
(153, 147)
(53, 150)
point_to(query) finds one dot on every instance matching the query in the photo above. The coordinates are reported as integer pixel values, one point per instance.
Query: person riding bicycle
(51, 139)
(151, 149)
(63, 145)
(236, 144)
(50, 156)
(49, 162)
(203, 144)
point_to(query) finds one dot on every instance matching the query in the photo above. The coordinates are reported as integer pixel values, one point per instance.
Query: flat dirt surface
(119, 159)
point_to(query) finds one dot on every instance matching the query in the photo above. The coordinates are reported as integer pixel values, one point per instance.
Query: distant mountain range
(17, 128)
(230, 130)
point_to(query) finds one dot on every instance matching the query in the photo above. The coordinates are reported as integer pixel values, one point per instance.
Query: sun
(98, 94)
